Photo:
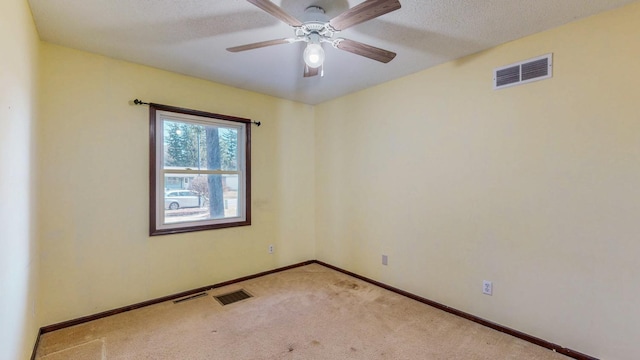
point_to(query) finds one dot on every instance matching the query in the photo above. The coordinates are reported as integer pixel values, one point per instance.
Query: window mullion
(201, 172)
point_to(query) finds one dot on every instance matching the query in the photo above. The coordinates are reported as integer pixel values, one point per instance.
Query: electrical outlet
(271, 249)
(385, 260)
(487, 287)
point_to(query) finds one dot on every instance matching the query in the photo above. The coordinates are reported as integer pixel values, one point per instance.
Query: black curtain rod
(140, 102)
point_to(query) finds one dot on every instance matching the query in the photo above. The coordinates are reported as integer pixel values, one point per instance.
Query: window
(199, 170)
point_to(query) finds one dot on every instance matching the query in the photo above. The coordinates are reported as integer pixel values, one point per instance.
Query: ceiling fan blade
(276, 11)
(367, 10)
(309, 71)
(365, 50)
(258, 45)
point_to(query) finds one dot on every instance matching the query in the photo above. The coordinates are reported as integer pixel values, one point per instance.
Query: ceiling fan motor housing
(315, 13)
(316, 28)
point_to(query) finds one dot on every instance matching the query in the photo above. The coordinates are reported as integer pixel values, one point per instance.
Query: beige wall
(93, 160)
(18, 242)
(535, 188)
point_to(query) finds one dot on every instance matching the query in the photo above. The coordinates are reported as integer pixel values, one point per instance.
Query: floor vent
(190, 298)
(230, 298)
(527, 71)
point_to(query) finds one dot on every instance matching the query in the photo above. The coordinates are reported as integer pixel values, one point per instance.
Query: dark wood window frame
(154, 228)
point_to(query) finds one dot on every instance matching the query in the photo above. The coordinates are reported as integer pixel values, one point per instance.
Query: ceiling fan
(318, 29)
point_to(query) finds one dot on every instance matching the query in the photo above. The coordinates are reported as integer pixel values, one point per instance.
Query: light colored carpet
(92, 350)
(310, 312)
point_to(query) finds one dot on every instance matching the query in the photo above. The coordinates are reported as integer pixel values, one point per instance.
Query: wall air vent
(523, 72)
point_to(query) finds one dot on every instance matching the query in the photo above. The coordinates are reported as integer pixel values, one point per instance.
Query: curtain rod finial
(139, 102)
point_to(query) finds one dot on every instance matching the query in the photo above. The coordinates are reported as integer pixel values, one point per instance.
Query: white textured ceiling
(190, 37)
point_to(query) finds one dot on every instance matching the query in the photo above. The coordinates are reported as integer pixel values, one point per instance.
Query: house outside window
(199, 170)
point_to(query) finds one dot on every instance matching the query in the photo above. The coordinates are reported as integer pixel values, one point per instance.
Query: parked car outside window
(176, 199)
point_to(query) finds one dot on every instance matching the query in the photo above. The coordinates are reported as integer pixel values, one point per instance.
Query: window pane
(207, 197)
(193, 146)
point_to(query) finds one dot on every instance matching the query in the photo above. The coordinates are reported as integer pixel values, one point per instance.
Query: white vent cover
(527, 71)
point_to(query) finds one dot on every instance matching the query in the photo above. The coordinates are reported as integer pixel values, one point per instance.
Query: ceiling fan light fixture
(313, 55)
